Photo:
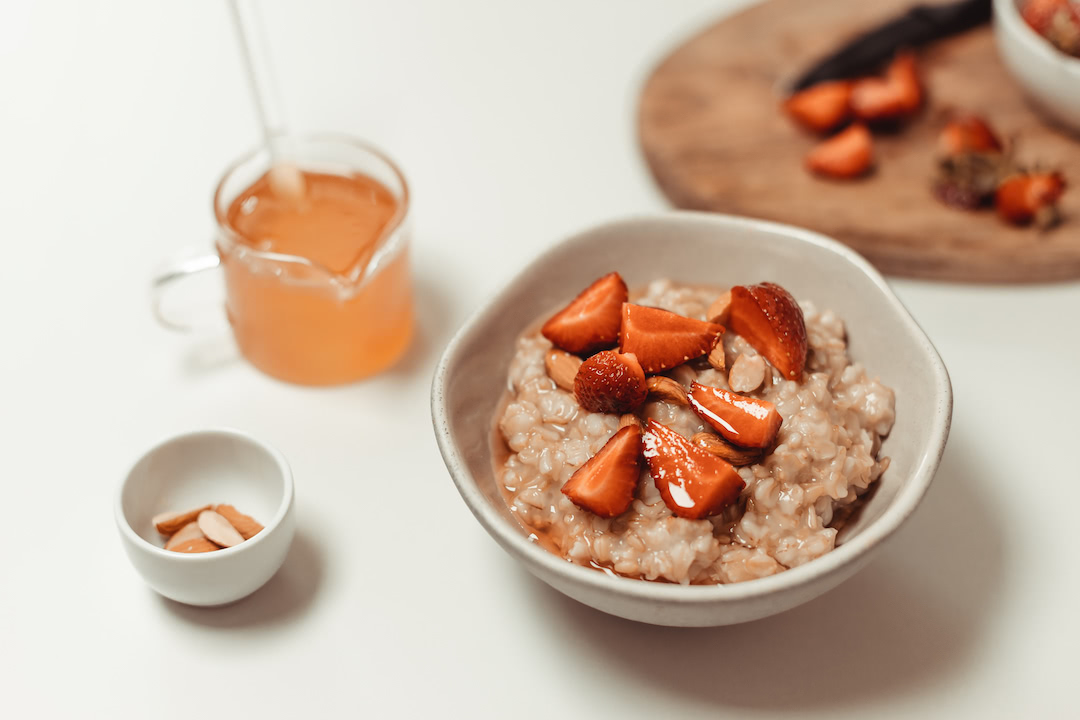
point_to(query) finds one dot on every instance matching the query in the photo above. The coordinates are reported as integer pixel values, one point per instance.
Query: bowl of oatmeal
(692, 419)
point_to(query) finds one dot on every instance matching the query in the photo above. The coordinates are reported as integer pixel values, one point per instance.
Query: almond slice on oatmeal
(716, 356)
(168, 524)
(720, 311)
(562, 368)
(667, 390)
(715, 445)
(747, 373)
(629, 419)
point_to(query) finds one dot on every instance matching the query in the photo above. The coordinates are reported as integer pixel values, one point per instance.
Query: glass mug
(293, 317)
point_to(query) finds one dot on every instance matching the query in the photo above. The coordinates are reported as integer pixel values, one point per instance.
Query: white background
(515, 124)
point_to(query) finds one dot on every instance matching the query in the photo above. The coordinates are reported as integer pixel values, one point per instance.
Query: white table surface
(515, 125)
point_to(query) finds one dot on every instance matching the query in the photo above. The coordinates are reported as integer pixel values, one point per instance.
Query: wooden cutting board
(715, 139)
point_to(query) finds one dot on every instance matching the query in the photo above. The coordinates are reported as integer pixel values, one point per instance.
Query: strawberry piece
(662, 340)
(693, 482)
(745, 421)
(767, 317)
(846, 155)
(967, 133)
(898, 94)
(605, 484)
(591, 321)
(610, 382)
(1023, 198)
(821, 107)
(1038, 14)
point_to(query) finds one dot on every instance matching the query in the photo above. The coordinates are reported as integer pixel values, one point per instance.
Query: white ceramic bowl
(200, 468)
(1050, 78)
(718, 250)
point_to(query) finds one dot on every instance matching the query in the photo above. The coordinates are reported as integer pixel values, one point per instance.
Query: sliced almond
(562, 367)
(720, 310)
(190, 531)
(718, 447)
(629, 419)
(747, 373)
(195, 545)
(246, 525)
(218, 529)
(716, 357)
(666, 389)
(168, 524)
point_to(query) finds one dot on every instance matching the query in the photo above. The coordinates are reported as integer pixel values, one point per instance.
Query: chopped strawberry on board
(610, 382)
(769, 318)
(846, 155)
(968, 133)
(662, 340)
(745, 421)
(1022, 199)
(605, 484)
(591, 321)
(896, 95)
(694, 483)
(821, 107)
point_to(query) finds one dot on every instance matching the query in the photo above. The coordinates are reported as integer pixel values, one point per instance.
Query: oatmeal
(821, 459)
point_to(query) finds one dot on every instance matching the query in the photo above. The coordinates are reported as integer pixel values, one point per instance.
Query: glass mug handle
(173, 273)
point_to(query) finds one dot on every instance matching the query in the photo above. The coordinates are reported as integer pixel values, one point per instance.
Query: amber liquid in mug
(293, 323)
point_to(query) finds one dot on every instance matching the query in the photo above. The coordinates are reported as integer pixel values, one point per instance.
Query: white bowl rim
(279, 515)
(904, 504)
(1009, 14)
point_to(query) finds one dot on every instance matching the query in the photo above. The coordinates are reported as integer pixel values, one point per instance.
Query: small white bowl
(1050, 78)
(719, 250)
(201, 468)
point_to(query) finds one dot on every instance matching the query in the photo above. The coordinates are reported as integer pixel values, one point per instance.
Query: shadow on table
(913, 617)
(285, 597)
(436, 322)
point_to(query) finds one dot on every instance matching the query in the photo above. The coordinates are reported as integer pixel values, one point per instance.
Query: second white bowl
(201, 468)
(1050, 78)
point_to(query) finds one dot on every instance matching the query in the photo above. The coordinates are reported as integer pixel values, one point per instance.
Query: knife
(921, 25)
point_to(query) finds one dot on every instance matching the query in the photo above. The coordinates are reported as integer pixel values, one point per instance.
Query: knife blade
(921, 25)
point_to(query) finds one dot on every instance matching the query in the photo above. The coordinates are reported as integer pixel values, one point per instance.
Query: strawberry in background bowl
(666, 464)
(1049, 75)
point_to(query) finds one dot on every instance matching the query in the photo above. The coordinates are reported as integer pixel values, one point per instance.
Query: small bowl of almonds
(207, 517)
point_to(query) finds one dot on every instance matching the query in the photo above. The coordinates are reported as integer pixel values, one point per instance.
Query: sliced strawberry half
(846, 155)
(591, 321)
(605, 484)
(967, 133)
(694, 483)
(745, 421)
(662, 340)
(1023, 198)
(898, 94)
(767, 317)
(610, 382)
(821, 107)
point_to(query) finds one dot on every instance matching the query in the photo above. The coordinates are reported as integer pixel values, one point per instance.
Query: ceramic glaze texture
(707, 250)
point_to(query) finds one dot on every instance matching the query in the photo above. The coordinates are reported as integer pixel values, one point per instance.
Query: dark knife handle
(920, 25)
